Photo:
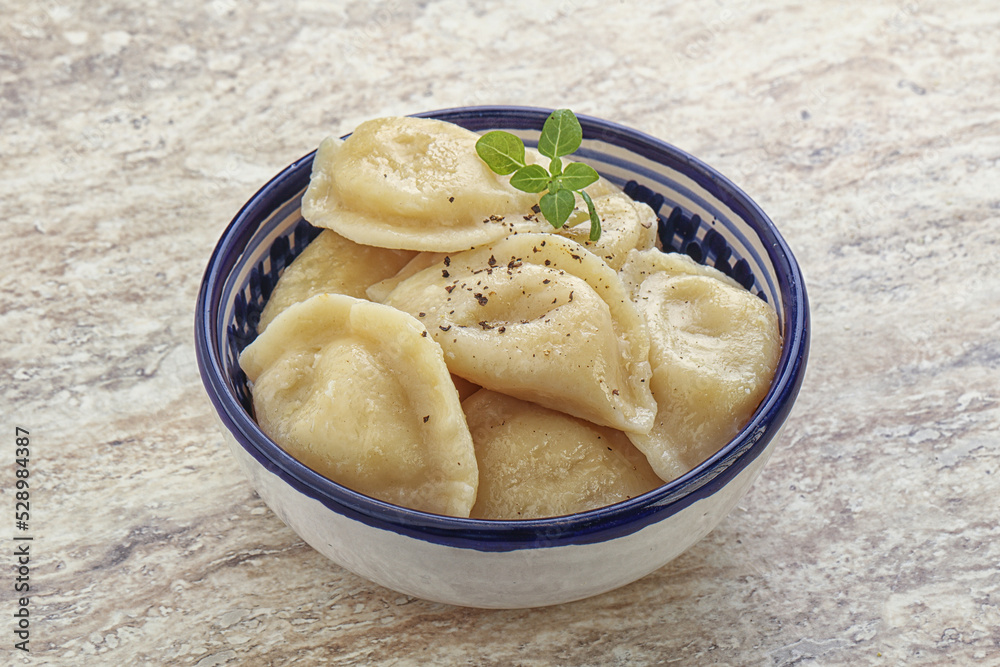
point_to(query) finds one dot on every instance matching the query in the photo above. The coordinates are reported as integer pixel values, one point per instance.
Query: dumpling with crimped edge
(380, 290)
(335, 265)
(625, 225)
(639, 264)
(714, 351)
(535, 462)
(411, 183)
(538, 317)
(360, 393)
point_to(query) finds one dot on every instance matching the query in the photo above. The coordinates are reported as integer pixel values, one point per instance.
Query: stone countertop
(870, 132)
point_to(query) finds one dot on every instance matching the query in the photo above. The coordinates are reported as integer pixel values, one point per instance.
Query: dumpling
(538, 317)
(360, 393)
(333, 264)
(640, 264)
(625, 225)
(535, 462)
(411, 183)
(380, 290)
(714, 351)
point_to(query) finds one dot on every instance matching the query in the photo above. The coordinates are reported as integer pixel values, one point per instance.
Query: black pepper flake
(614, 392)
(451, 199)
(444, 328)
(424, 334)
(449, 288)
(571, 297)
(426, 418)
(421, 314)
(547, 263)
(485, 325)
(576, 257)
(445, 274)
(481, 299)
(447, 261)
(546, 281)
(492, 261)
(502, 329)
(536, 208)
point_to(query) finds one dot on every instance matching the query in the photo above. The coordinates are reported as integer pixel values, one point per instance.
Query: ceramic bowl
(508, 564)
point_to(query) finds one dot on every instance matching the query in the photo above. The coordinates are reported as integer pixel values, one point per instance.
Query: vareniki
(411, 183)
(536, 462)
(441, 347)
(359, 393)
(539, 317)
(332, 264)
(714, 350)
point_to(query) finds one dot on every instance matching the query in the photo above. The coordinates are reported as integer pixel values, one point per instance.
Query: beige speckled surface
(130, 133)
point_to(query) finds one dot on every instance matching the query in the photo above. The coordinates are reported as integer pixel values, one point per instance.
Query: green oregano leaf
(557, 207)
(531, 178)
(595, 222)
(577, 176)
(502, 151)
(561, 134)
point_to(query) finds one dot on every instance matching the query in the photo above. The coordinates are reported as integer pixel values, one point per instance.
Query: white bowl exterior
(532, 577)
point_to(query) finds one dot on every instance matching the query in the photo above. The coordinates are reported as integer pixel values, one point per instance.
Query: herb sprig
(561, 135)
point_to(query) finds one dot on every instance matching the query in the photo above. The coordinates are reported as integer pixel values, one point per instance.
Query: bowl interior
(700, 213)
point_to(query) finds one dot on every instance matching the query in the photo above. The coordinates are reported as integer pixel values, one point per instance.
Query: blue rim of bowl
(588, 527)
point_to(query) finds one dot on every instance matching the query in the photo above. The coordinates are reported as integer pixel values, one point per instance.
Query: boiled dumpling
(625, 225)
(331, 263)
(640, 264)
(539, 317)
(360, 393)
(535, 462)
(714, 350)
(380, 290)
(412, 183)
